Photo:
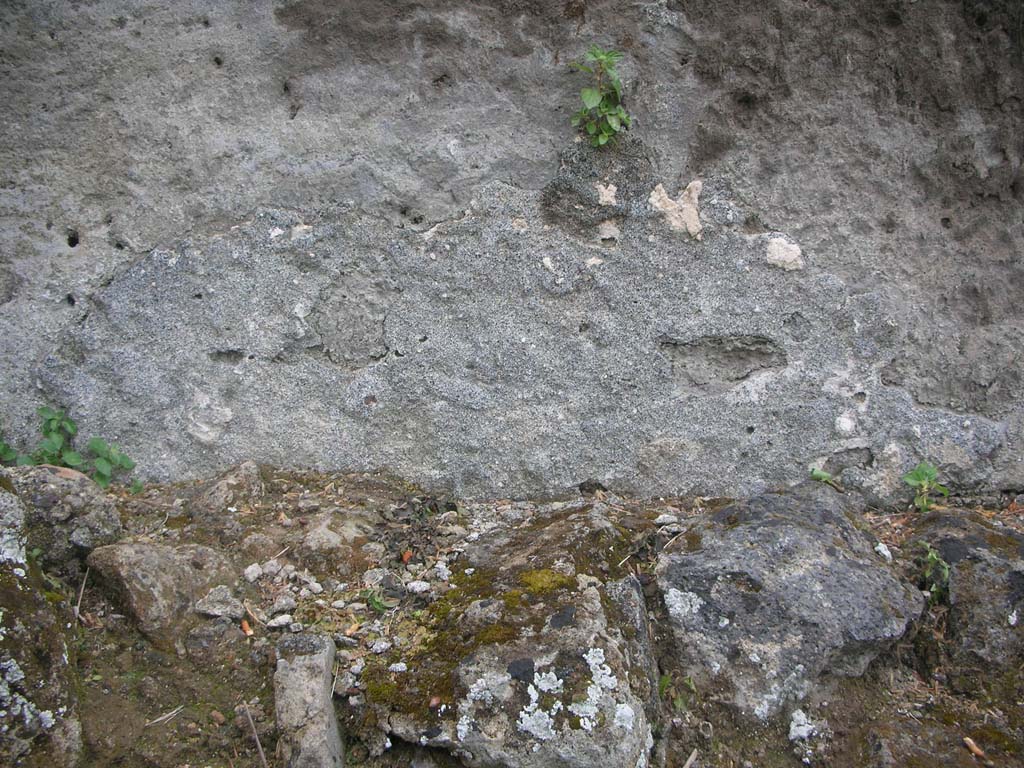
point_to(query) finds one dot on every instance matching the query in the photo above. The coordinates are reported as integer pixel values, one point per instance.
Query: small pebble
(283, 603)
(666, 519)
(399, 666)
(338, 604)
(380, 646)
(418, 587)
(253, 572)
(272, 567)
(280, 621)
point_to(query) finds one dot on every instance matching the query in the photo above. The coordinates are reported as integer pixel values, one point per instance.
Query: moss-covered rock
(39, 723)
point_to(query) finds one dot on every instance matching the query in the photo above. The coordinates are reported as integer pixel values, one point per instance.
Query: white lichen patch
(489, 688)
(12, 523)
(683, 214)
(601, 672)
(534, 720)
(682, 605)
(783, 253)
(801, 727)
(606, 193)
(624, 717)
(548, 682)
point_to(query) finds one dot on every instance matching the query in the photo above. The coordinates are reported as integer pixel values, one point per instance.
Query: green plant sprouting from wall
(101, 460)
(602, 117)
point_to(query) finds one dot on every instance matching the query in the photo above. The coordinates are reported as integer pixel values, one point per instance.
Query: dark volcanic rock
(771, 595)
(985, 637)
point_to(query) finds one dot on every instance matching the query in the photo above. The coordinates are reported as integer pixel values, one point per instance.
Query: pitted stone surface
(349, 240)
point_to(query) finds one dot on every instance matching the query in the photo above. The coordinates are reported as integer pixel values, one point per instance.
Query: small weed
(376, 600)
(821, 476)
(935, 576)
(602, 116)
(680, 693)
(924, 479)
(57, 448)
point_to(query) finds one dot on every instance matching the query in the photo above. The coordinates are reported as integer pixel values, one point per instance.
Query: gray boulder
(67, 514)
(159, 584)
(39, 722)
(539, 658)
(767, 597)
(304, 706)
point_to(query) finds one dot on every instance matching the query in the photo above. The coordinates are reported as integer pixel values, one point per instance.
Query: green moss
(513, 599)
(6, 484)
(545, 581)
(496, 633)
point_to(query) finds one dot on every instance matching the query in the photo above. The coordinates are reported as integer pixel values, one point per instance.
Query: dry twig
(255, 735)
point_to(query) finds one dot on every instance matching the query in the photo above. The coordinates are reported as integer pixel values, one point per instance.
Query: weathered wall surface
(355, 235)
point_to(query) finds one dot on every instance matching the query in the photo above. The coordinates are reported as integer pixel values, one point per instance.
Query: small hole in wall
(422, 339)
(369, 400)
(217, 60)
(860, 397)
(750, 430)
(73, 238)
(119, 244)
(947, 222)
(197, 295)
(69, 300)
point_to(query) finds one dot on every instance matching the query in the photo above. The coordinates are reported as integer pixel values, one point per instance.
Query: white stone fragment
(801, 727)
(883, 550)
(252, 572)
(606, 194)
(783, 253)
(284, 620)
(418, 587)
(846, 424)
(682, 215)
(608, 230)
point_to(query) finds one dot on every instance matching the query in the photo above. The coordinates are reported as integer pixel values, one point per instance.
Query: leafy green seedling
(822, 476)
(602, 117)
(935, 576)
(108, 460)
(924, 479)
(57, 448)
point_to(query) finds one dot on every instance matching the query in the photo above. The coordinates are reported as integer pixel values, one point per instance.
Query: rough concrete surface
(360, 234)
